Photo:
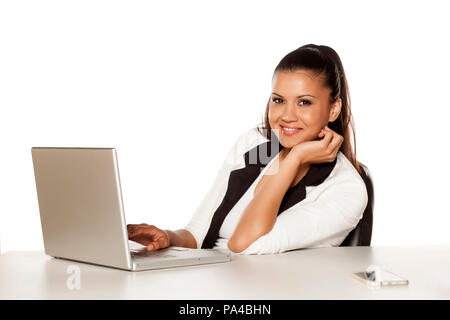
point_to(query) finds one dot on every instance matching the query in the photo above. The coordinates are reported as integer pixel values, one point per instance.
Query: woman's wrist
(296, 157)
(168, 237)
(181, 238)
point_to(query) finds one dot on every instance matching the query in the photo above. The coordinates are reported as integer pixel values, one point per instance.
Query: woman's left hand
(318, 151)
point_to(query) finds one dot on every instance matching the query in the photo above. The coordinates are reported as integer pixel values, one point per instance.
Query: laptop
(82, 213)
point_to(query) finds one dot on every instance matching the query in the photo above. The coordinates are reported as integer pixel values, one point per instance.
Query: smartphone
(379, 277)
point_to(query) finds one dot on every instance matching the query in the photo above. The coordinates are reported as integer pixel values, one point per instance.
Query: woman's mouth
(289, 131)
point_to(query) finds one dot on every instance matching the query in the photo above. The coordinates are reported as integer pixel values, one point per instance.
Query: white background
(172, 84)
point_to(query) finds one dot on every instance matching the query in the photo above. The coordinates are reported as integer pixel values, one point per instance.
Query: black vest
(241, 179)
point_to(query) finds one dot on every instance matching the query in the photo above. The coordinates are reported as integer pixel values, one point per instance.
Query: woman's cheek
(314, 123)
(274, 116)
(308, 118)
(274, 113)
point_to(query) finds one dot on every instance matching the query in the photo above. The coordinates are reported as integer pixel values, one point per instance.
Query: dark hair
(323, 60)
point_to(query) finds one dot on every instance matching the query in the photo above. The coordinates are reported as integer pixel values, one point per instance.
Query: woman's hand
(318, 151)
(150, 236)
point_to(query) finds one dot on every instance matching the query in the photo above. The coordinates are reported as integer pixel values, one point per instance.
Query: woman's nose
(289, 113)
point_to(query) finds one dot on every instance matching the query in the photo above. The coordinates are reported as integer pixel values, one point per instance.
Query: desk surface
(322, 273)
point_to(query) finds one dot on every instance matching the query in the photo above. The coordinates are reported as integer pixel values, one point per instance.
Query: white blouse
(324, 218)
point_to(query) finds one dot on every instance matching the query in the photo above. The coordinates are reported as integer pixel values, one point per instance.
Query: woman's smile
(289, 131)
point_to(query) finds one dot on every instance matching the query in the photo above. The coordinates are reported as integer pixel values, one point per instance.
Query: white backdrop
(172, 84)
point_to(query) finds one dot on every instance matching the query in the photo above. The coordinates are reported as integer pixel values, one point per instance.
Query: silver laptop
(82, 213)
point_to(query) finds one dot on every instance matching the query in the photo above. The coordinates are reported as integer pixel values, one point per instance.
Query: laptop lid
(80, 204)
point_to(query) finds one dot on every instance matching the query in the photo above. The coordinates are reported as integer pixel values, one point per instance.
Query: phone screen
(380, 277)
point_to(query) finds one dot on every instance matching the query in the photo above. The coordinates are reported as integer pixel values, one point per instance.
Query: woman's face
(300, 101)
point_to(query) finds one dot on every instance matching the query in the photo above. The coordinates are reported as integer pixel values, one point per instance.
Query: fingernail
(150, 247)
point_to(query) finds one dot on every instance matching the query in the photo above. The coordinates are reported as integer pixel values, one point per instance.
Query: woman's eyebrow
(303, 95)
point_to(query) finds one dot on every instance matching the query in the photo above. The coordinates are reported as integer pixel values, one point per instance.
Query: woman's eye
(276, 99)
(305, 102)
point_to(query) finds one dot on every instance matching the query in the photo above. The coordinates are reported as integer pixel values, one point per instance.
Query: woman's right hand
(324, 149)
(150, 236)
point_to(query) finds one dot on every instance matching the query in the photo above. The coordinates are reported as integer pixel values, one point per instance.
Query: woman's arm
(323, 221)
(261, 213)
(192, 235)
(181, 238)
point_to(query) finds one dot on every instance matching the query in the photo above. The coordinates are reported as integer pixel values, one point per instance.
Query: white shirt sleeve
(199, 224)
(324, 221)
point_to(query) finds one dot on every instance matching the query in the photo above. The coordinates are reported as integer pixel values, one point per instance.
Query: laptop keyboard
(170, 252)
(161, 253)
(138, 251)
(145, 254)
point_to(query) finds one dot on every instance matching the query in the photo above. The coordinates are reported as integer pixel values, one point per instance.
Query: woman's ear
(335, 110)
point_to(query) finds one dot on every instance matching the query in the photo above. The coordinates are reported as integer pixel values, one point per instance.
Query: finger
(327, 129)
(335, 144)
(153, 246)
(136, 233)
(321, 133)
(327, 138)
(132, 227)
(163, 242)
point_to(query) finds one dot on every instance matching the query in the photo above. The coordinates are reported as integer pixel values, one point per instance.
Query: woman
(309, 194)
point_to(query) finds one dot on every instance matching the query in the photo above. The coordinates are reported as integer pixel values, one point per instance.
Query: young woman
(307, 193)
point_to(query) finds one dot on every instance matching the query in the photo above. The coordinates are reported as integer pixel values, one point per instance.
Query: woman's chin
(289, 143)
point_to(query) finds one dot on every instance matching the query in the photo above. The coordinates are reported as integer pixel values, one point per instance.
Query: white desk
(302, 274)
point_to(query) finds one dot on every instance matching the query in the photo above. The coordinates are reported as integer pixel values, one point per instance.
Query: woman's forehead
(295, 82)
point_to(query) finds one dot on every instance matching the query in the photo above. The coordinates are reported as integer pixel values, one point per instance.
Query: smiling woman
(310, 89)
(293, 183)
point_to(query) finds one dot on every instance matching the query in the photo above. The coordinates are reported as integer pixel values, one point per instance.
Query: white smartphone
(378, 277)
